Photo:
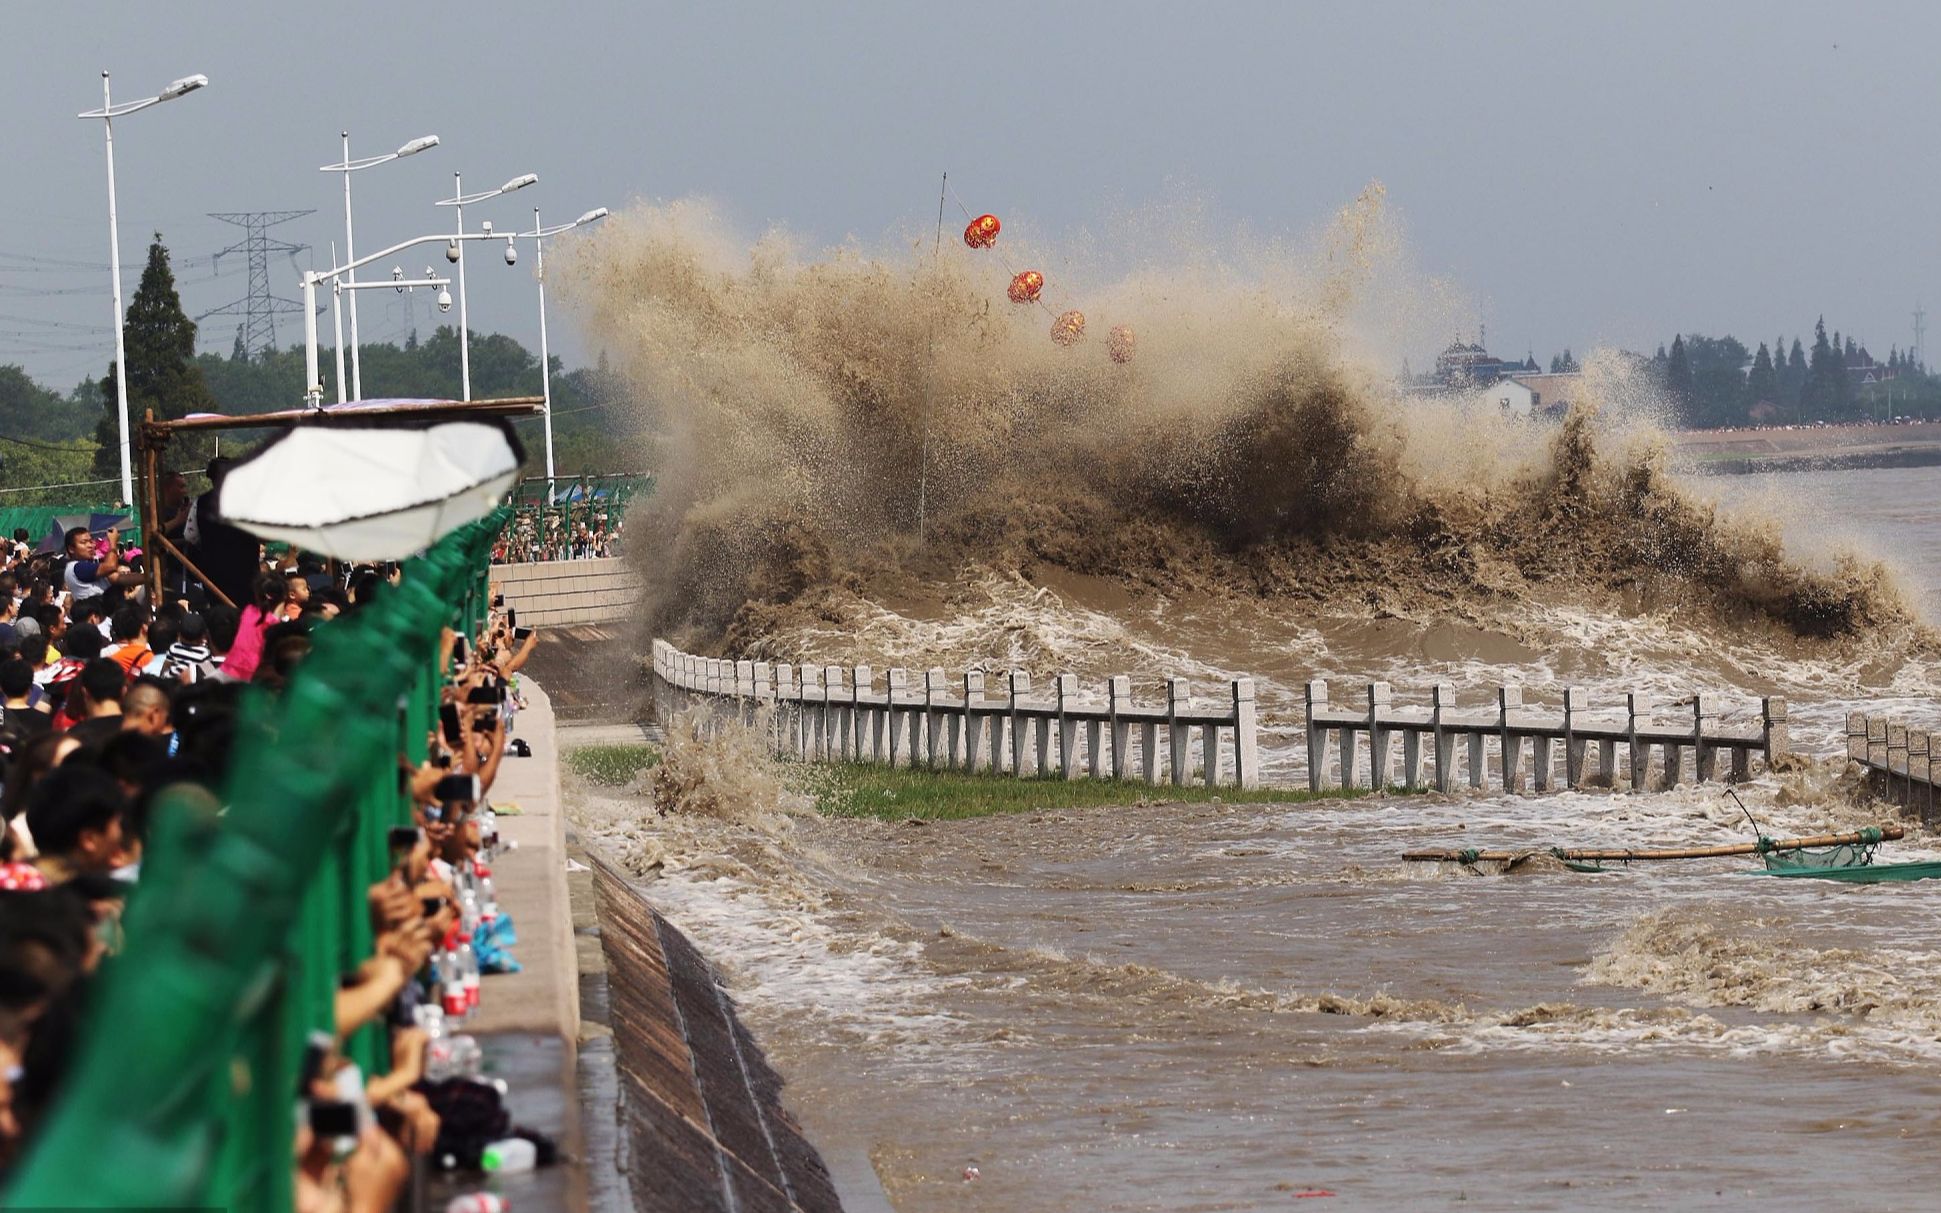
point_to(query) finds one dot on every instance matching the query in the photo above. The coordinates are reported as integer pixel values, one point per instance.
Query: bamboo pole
(1887, 832)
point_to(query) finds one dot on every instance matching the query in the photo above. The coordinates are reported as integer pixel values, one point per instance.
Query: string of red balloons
(1027, 287)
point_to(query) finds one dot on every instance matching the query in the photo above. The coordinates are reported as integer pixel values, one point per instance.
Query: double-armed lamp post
(348, 166)
(108, 112)
(539, 234)
(456, 252)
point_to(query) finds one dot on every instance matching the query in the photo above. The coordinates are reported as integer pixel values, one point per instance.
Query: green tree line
(48, 437)
(1717, 382)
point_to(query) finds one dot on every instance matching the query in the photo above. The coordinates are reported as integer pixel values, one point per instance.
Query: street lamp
(456, 252)
(108, 112)
(348, 166)
(312, 388)
(539, 235)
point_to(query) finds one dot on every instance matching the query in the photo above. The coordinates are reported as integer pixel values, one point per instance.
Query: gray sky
(1587, 177)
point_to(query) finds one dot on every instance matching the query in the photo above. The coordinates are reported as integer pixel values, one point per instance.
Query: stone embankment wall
(564, 592)
(701, 1106)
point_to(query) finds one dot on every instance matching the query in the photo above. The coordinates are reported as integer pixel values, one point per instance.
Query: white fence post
(1067, 685)
(1118, 691)
(1179, 701)
(1246, 746)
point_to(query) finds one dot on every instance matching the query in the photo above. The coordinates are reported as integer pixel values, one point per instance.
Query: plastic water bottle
(488, 900)
(510, 1156)
(477, 1202)
(468, 973)
(451, 983)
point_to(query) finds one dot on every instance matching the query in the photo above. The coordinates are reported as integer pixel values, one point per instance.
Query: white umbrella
(369, 493)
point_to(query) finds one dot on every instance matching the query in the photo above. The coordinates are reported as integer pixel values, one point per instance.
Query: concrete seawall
(562, 592)
(700, 1107)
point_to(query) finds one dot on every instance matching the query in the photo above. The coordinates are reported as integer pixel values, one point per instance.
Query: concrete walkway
(531, 885)
(528, 1022)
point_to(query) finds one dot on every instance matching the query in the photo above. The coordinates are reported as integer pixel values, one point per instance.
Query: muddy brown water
(1221, 1007)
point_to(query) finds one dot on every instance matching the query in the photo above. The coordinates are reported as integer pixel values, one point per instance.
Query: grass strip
(612, 766)
(897, 793)
(856, 789)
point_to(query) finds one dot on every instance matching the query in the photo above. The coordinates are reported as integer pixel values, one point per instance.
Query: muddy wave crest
(854, 422)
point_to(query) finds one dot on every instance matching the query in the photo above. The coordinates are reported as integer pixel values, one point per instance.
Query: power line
(71, 484)
(45, 446)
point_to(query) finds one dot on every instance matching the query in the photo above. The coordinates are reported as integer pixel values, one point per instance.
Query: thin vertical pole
(545, 358)
(350, 254)
(114, 271)
(464, 327)
(337, 322)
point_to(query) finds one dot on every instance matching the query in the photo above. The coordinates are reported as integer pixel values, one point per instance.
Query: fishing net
(1846, 855)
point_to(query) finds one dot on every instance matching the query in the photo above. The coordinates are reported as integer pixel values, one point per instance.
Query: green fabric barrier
(244, 919)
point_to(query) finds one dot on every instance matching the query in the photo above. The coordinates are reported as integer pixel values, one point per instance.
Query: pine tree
(1824, 395)
(162, 372)
(1762, 384)
(1679, 384)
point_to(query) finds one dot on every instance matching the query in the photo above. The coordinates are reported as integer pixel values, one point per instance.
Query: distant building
(1463, 366)
(1550, 395)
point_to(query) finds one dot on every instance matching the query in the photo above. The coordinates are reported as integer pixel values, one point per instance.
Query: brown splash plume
(810, 410)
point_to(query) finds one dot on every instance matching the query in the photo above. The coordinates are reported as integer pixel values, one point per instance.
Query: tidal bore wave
(813, 411)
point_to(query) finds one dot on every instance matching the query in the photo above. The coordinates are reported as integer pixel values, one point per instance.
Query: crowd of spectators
(109, 703)
(535, 535)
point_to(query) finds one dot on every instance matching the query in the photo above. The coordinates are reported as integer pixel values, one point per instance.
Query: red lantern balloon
(1026, 287)
(1120, 343)
(1068, 328)
(982, 232)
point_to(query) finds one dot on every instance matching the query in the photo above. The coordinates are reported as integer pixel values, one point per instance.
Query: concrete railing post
(1118, 697)
(1179, 702)
(839, 709)
(974, 724)
(1899, 786)
(1379, 694)
(899, 689)
(1317, 736)
(862, 685)
(1246, 745)
(761, 693)
(1705, 755)
(1576, 699)
(1020, 683)
(1772, 712)
(1067, 727)
(1920, 773)
(1442, 699)
(1637, 716)
(934, 688)
(1509, 699)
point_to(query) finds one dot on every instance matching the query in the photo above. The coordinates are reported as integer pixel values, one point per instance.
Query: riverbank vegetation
(898, 793)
